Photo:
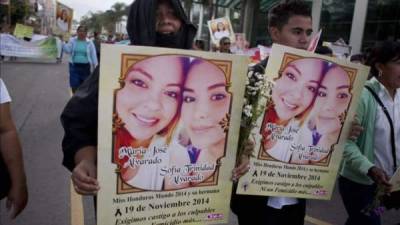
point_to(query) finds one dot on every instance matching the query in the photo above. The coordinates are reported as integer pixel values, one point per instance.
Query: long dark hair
(383, 52)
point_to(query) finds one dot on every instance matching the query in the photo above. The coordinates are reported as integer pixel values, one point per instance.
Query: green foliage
(19, 11)
(108, 19)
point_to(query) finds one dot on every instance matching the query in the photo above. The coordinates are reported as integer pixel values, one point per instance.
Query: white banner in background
(48, 48)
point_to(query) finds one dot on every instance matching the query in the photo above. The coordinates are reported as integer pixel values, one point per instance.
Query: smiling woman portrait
(293, 95)
(201, 145)
(322, 129)
(146, 111)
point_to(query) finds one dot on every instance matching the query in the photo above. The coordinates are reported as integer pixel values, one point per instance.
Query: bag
(5, 181)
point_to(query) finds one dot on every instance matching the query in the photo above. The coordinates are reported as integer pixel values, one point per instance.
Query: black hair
(223, 39)
(280, 14)
(358, 57)
(384, 52)
(82, 27)
(200, 44)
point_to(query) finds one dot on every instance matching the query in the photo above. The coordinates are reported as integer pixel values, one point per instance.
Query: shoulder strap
(390, 123)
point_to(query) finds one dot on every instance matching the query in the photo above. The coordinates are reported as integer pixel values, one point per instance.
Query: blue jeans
(78, 72)
(355, 198)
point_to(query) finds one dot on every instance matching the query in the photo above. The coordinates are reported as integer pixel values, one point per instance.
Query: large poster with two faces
(308, 112)
(168, 128)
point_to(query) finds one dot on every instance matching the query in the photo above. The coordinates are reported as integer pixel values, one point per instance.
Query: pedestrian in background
(225, 45)
(12, 174)
(83, 58)
(373, 158)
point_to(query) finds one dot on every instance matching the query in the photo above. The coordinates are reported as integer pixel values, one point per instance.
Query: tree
(93, 21)
(19, 11)
(107, 19)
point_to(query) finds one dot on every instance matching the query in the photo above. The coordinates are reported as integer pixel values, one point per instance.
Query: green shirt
(358, 156)
(80, 52)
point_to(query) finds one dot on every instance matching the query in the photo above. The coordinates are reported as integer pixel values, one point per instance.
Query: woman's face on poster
(295, 90)
(64, 15)
(220, 26)
(151, 96)
(332, 100)
(205, 103)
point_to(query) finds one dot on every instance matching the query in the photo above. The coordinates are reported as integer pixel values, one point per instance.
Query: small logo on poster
(215, 216)
(320, 192)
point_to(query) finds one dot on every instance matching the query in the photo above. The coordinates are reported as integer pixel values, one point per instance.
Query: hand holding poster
(171, 118)
(299, 140)
(395, 180)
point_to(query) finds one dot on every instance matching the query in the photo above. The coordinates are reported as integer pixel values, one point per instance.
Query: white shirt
(279, 202)
(4, 96)
(62, 25)
(382, 147)
(220, 34)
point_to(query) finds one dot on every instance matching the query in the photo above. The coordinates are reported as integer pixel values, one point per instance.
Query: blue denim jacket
(91, 51)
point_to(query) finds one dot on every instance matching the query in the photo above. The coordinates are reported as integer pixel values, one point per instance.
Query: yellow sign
(22, 31)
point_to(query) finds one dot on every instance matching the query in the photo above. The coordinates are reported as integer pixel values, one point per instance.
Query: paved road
(39, 92)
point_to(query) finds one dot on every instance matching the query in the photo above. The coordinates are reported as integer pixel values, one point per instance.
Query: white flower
(247, 111)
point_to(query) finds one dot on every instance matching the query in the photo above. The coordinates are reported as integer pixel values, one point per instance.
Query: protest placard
(307, 114)
(168, 128)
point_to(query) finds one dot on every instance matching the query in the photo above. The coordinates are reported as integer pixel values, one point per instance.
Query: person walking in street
(83, 58)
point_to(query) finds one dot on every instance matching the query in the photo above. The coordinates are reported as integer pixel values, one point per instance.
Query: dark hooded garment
(79, 118)
(141, 26)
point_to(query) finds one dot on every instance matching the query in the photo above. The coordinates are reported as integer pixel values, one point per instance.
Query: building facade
(361, 23)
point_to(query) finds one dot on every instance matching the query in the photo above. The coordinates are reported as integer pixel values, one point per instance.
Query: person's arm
(11, 152)
(84, 175)
(93, 54)
(68, 47)
(79, 120)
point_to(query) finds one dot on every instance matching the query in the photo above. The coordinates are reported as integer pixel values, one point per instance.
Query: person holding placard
(290, 24)
(79, 118)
